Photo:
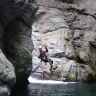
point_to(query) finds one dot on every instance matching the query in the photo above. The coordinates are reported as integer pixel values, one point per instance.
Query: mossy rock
(60, 8)
(56, 74)
(89, 78)
(70, 78)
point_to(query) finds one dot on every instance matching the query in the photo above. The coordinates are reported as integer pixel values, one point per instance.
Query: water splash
(33, 80)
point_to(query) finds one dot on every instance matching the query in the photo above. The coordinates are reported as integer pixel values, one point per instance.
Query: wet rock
(88, 5)
(70, 33)
(86, 50)
(16, 18)
(7, 75)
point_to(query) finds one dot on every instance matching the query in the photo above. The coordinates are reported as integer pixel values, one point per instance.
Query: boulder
(7, 75)
(16, 18)
(89, 5)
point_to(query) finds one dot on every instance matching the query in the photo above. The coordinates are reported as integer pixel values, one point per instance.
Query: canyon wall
(70, 35)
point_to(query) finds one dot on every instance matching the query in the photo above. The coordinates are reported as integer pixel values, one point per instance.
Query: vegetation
(91, 77)
(57, 74)
(92, 64)
(60, 8)
(70, 78)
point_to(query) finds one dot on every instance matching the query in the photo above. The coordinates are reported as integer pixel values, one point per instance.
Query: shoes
(53, 68)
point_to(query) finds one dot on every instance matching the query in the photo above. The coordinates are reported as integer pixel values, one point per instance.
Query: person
(43, 56)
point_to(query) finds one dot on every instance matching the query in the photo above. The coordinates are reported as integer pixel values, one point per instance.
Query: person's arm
(46, 49)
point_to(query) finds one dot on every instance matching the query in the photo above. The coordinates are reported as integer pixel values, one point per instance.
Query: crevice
(80, 60)
(67, 1)
(91, 15)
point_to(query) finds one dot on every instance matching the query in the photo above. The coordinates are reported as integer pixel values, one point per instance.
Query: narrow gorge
(70, 37)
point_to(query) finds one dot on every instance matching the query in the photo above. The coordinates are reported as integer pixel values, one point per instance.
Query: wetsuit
(42, 55)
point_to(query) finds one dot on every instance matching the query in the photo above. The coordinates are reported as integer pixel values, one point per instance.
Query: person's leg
(51, 64)
(46, 60)
(52, 68)
(55, 67)
(50, 61)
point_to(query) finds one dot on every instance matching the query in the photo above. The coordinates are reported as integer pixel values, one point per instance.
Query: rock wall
(16, 18)
(7, 75)
(70, 37)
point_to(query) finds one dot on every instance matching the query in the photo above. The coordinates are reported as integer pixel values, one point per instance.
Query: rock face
(70, 37)
(16, 18)
(7, 75)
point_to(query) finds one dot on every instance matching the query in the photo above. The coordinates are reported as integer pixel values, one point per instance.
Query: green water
(76, 89)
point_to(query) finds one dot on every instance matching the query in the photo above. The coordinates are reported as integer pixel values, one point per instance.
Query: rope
(45, 22)
(44, 44)
(41, 88)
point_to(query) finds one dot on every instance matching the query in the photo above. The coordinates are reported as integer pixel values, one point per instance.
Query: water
(56, 89)
(36, 81)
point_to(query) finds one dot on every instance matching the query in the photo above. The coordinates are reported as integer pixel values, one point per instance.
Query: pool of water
(67, 89)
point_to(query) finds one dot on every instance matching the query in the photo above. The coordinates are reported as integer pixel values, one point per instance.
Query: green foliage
(91, 77)
(57, 74)
(59, 8)
(70, 78)
(94, 74)
(84, 78)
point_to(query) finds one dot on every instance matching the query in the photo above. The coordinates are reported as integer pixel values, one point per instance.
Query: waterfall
(34, 80)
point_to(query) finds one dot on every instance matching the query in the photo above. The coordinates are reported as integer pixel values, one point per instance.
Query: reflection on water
(60, 89)
(76, 89)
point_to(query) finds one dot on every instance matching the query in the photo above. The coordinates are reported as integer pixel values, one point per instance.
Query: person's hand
(45, 45)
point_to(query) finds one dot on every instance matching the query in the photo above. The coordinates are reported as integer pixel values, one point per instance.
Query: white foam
(33, 80)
